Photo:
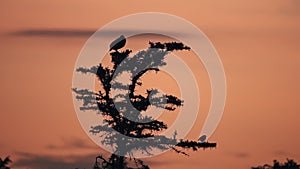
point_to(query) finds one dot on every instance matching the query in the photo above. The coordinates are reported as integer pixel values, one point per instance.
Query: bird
(202, 138)
(118, 43)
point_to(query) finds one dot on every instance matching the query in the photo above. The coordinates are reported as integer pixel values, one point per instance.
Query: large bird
(202, 138)
(118, 43)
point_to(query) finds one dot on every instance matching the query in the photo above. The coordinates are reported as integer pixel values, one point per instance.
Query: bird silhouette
(118, 43)
(202, 138)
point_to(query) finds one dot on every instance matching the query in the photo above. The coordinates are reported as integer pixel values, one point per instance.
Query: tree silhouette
(4, 163)
(289, 164)
(128, 120)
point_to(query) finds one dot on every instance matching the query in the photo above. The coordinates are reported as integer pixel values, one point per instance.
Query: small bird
(118, 43)
(202, 138)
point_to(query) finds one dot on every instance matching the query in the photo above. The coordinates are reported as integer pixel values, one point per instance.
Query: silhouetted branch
(179, 151)
(4, 163)
(186, 144)
(169, 46)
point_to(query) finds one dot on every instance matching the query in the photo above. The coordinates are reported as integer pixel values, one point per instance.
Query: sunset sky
(258, 42)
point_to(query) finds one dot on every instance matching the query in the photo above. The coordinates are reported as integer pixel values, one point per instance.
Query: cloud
(239, 154)
(37, 161)
(289, 8)
(54, 32)
(72, 143)
(75, 32)
(61, 160)
(281, 152)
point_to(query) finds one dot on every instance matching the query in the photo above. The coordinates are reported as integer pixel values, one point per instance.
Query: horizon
(257, 41)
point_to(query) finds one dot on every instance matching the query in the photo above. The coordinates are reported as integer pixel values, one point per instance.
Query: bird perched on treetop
(202, 138)
(118, 43)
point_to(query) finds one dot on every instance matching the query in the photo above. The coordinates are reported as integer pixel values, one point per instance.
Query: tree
(289, 164)
(4, 163)
(124, 119)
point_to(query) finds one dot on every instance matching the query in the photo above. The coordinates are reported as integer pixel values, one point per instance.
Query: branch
(195, 145)
(169, 46)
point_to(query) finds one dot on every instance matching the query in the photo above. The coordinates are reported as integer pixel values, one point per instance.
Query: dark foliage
(4, 163)
(289, 164)
(136, 126)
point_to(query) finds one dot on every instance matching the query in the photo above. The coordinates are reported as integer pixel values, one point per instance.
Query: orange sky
(258, 42)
